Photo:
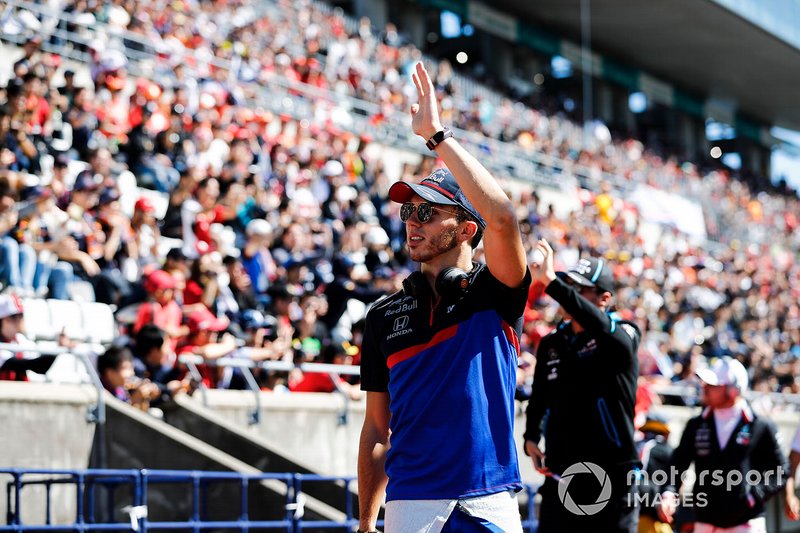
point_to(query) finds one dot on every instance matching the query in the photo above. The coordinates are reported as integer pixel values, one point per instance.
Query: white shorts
(430, 516)
(756, 525)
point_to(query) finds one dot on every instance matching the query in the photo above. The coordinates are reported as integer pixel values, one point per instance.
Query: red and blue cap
(440, 188)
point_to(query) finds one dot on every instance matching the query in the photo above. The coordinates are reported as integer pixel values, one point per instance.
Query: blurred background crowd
(211, 222)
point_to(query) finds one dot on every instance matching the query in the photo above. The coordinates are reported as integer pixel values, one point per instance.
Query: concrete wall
(308, 425)
(45, 426)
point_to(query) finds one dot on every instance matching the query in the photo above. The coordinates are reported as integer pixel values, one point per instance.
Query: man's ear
(605, 300)
(469, 230)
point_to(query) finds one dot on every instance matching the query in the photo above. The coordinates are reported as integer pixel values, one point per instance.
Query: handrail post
(97, 412)
(196, 376)
(252, 384)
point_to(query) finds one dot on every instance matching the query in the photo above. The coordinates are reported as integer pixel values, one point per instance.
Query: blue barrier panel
(138, 481)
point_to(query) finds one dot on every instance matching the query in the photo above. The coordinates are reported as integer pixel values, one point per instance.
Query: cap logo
(583, 267)
(437, 176)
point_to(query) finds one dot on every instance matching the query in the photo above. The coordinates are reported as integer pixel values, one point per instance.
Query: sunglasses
(424, 211)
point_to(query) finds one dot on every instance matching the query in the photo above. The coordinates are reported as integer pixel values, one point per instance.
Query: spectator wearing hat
(654, 453)
(161, 309)
(146, 233)
(256, 257)
(118, 253)
(585, 383)
(15, 365)
(456, 322)
(727, 437)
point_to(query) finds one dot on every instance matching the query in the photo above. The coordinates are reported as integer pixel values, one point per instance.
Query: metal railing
(96, 413)
(246, 366)
(139, 483)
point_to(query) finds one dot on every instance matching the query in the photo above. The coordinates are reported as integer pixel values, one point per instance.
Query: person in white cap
(14, 365)
(737, 458)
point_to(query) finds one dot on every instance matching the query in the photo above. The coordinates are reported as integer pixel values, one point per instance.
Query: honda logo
(400, 322)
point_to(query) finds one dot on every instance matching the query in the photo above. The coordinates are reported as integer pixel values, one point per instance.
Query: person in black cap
(440, 355)
(584, 385)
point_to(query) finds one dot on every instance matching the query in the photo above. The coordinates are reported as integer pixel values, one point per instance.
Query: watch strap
(438, 138)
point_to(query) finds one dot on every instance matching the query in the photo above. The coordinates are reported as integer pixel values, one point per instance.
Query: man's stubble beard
(442, 243)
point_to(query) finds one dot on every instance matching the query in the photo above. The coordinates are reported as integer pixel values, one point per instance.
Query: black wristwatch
(435, 141)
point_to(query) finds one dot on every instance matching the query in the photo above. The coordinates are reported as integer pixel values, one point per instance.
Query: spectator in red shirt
(337, 354)
(161, 308)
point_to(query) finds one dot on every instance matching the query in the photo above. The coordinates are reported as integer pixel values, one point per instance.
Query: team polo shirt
(450, 370)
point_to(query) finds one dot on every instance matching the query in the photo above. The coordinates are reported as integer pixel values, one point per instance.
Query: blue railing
(138, 483)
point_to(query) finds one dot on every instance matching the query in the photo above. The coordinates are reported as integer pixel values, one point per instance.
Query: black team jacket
(584, 387)
(752, 452)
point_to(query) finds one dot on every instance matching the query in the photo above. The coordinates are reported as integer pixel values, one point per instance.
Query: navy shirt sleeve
(508, 301)
(374, 370)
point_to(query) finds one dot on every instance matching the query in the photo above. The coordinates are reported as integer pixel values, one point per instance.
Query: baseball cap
(440, 187)
(258, 227)
(144, 204)
(10, 305)
(255, 319)
(159, 280)
(84, 181)
(108, 196)
(655, 423)
(591, 272)
(725, 371)
(61, 161)
(203, 319)
(176, 254)
(34, 192)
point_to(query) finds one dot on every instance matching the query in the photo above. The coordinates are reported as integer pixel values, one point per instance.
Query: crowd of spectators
(230, 227)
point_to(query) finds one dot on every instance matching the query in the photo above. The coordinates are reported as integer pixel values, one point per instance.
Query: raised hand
(543, 270)
(424, 115)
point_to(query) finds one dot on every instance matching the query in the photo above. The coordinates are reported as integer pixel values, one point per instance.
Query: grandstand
(246, 149)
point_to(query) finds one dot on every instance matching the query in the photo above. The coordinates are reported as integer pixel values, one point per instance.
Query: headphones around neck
(451, 283)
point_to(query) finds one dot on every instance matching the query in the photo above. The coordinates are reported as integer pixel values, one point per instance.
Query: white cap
(725, 371)
(10, 305)
(113, 60)
(332, 167)
(258, 226)
(376, 235)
